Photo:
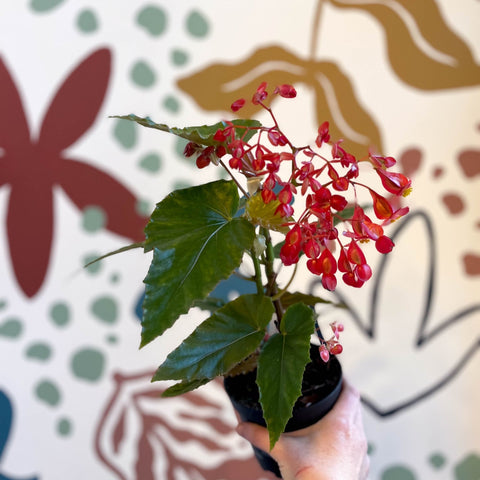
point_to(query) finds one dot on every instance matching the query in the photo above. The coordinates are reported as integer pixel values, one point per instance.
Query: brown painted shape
(218, 85)
(469, 161)
(471, 263)
(414, 64)
(454, 203)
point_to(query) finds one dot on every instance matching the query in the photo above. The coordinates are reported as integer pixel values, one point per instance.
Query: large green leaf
(203, 135)
(184, 387)
(197, 241)
(281, 366)
(290, 298)
(222, 341)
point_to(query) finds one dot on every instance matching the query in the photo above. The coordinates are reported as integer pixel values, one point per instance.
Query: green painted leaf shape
(280, 368)
(203, 135)
(222, 341)
(197, 241)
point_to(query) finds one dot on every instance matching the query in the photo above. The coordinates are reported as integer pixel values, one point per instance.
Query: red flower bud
(329, 282)
(395, 183)
(384, 244)
(286, 91)
(203, 160)
(237, 104)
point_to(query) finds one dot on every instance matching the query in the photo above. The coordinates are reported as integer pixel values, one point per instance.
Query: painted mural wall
(75, 394)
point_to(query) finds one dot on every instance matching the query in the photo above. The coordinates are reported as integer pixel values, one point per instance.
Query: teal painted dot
(142, 74)
(197, 24)
(180, 147)
(64, 427)
(437, 460)
(105, 309)
(179, 57)
(171, 103)
(41, 6)
(60, 314)
(11, 328)
(115, 278)
(3, 304)
(180, 184)
(125, 132)
(48, 393)
(112, 339)
(94, 219)
(223, 174)
(371, 449)
(398, 473)
(88, 364)
(153, 19)
(87, 21)
(94, 267)
(468, 468)
(144, 207)
(151, 162)
(39, 351)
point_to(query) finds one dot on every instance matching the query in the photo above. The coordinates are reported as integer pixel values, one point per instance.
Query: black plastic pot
(321, 387)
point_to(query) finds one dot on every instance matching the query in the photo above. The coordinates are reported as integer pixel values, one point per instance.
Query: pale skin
(335, 448)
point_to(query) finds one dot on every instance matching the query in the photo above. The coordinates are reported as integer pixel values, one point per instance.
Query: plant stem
(120, 250)
(234, 179)
(258, 271)
(272, 287)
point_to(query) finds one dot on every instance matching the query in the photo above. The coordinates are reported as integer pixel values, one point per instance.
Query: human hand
(334, 448)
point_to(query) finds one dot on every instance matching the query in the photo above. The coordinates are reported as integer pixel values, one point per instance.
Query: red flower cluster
(323, 182)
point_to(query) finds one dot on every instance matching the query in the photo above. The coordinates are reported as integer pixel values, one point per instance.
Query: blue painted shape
(233, 284)
(6, 414)
(138, 307)
(6, 418)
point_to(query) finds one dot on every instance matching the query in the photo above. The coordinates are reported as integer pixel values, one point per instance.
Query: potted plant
(281, 206)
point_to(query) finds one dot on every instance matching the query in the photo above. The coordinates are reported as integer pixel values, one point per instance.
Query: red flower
(292, 247)
(323, 134)
(261, 94)
(394, 182)
(286, 91)
(237, 104)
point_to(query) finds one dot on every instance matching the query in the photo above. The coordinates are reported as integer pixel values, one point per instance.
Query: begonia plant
(283, 204)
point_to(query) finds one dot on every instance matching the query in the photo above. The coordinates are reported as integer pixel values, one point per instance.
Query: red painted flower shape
(33, 166)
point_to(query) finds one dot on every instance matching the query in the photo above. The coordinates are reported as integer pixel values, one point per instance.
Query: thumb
(255, 434)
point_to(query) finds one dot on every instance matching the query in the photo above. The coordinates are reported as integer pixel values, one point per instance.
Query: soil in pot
(321, 386)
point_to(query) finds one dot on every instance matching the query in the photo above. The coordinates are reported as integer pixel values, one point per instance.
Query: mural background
(75, 396)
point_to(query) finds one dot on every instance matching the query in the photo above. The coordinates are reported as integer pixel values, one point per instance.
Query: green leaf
(184, 387)
(343, 215)
(289, 298)
(203, 135)
(210, 304)
(222, 341)
(280, 368)
(197, 241)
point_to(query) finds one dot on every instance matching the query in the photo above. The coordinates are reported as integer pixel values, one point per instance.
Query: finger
(255, 434)
(348, 401)
(365, 468)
